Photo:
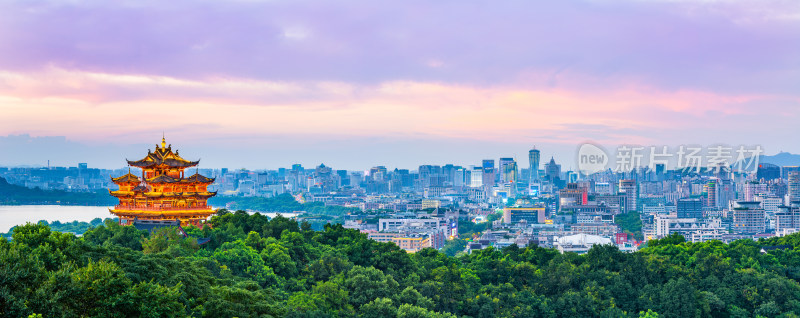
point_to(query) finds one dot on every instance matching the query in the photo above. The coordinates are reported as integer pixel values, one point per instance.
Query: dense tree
(631, 223)
(168, 240)
(378, 308)
(453, 247)
(244, 261)
(257, 267)
(367, 284)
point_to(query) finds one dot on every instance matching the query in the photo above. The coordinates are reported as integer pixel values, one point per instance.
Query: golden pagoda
(163, 193)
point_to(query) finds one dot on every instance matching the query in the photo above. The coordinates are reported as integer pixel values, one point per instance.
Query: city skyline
(621, 158)
(342, 85)
(355, 158)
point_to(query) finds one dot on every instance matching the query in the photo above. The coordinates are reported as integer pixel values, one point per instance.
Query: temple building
(163, 192)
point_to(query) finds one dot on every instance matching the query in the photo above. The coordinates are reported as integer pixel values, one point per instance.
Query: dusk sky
(354, 84)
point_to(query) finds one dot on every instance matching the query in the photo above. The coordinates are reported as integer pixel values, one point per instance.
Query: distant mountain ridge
(782, 159)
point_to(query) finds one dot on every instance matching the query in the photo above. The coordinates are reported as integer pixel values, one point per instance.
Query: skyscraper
(794, 187)
(768, 171)
(489, 173)
(552, 170)
(533, 157)
(725, 192)
(628, 187)
(711, 194)
(508, 170)
(462, 177)
(476, 177)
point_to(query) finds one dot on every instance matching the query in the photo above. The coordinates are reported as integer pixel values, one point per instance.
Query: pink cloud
(98, 106)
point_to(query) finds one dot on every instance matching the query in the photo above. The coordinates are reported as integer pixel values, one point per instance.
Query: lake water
(12, 215)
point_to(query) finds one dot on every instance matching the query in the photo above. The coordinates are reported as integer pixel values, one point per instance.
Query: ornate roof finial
(163, 140)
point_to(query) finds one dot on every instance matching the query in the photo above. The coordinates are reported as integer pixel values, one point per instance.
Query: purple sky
(263, 84)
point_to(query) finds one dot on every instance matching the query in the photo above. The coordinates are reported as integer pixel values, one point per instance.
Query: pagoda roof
(121, 193)
(142, 187)
(179, 194)
(163, 155)
(204, 194)
(127, 178)
(163, 179)
(199, 178)
(196, 178)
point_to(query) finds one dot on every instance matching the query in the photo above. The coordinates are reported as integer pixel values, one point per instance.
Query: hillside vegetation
(255, 267)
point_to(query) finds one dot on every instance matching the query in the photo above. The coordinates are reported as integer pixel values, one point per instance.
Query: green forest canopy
(76, 227)
(255, 267)
(630, 223)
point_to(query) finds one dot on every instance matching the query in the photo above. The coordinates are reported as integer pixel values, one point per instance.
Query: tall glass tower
(533, 157)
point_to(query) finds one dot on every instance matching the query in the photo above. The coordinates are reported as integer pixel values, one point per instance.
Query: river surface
(12, 215)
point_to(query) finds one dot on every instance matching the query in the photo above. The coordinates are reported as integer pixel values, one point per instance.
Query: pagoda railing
(134, 208)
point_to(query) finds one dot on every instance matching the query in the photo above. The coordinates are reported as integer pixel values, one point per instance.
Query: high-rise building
(573, 194)
(431, 175)
(751, 189)
(344, 179)
(508, 170)
(725, 192)
(794, 187)
(572, 177)
(449, 173)
(404, 177)
(476, 177)
(462, 177)
(660, 168)
(378, 173)
(787, 220)
(628, 187)
(711, 194)
(768, 171)
(769, 203)
(785, 170)
(356, 178)
(552, 170)
(488, 172)
(748, 218)
(690, 208)
(533, 157)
